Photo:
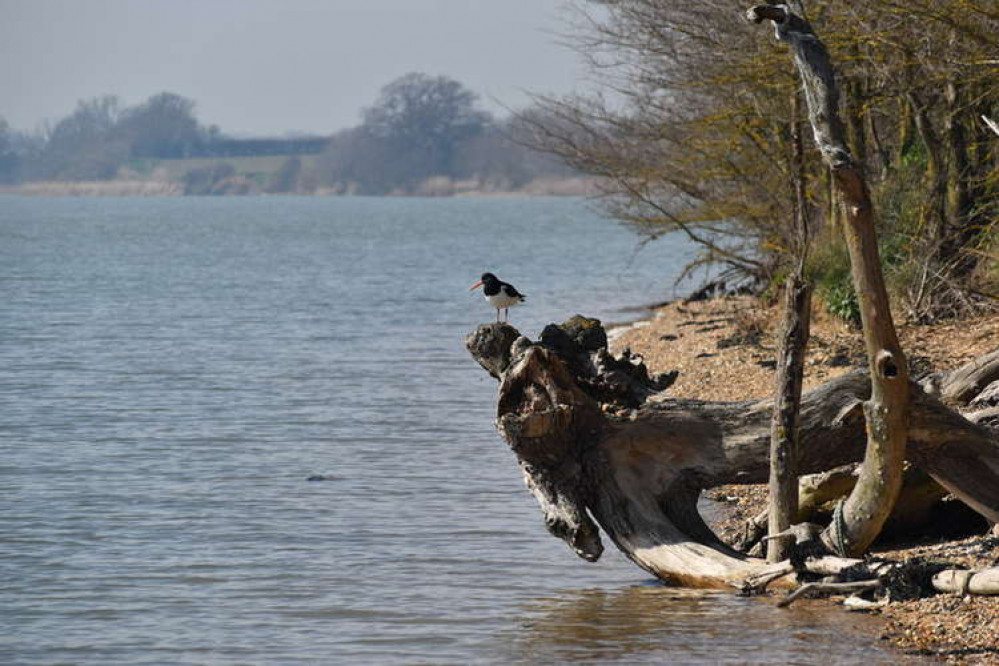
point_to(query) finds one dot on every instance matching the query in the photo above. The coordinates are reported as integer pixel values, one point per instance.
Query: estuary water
(172, 372)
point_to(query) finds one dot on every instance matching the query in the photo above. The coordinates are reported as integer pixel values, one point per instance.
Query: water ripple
(174, 371)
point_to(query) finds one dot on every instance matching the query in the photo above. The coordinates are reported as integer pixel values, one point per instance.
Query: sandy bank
(110, 188)
(434, 187)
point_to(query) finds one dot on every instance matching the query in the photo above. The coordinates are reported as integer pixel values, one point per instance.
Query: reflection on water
(655, 624)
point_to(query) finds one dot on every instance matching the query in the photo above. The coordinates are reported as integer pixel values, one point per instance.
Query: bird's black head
(489, 277)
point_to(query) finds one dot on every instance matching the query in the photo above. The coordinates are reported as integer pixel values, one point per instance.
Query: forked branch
(859, 519)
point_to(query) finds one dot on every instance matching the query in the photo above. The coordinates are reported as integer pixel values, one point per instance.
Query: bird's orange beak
(476, 285)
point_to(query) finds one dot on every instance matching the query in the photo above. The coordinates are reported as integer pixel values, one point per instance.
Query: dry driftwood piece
(968, 382)
(985, 581)
(596, 435)
(829, 588)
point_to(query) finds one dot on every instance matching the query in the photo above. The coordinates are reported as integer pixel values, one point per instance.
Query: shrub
(829, 271)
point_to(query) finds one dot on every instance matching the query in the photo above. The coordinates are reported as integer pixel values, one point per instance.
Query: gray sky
(271, 66)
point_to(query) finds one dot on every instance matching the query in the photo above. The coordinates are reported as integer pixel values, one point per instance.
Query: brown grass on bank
(101, 188)
(165, 183)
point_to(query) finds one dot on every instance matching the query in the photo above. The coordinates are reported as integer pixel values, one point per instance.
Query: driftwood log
(601, 442)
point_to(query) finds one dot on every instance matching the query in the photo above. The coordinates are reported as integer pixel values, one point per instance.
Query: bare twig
(830, 588)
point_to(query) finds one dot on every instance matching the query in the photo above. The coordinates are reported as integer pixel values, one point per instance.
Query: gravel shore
(724, 350)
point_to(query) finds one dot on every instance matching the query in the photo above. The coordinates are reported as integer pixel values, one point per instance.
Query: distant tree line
(100, 137)
(423, 135)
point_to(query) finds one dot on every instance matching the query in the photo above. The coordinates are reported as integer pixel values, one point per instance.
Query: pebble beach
(724, 349)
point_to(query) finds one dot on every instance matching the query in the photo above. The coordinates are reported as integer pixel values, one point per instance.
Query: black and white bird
(501, 295)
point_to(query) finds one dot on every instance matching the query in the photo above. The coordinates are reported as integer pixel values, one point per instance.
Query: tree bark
(884, 159)
(958, 198)
(855, 125)
(597, 436)
(936, 172)
(783, 485)
(905, 130)
(784, 438)
(858, 520)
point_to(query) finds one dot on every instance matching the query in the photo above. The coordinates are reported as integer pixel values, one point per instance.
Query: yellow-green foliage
(699, 137)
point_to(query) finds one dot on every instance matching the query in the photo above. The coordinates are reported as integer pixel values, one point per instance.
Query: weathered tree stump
(601, 442)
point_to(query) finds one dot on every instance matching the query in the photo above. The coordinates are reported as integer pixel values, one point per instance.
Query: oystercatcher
(501, 295)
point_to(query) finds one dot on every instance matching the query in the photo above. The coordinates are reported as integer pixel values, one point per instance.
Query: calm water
(172, 372)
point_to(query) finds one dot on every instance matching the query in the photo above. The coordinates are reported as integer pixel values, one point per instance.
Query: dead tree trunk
(595, 435)
(783, 486)
(858, 520)
(784, 433)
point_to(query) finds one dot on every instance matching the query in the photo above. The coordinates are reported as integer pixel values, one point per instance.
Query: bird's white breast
(503, 300)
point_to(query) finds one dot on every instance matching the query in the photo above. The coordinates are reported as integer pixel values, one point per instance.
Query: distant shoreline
(558, 187)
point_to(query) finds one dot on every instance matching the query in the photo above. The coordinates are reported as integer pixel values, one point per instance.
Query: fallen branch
(991, 123)
(985, 581)
(961, 386)
(829, 588)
